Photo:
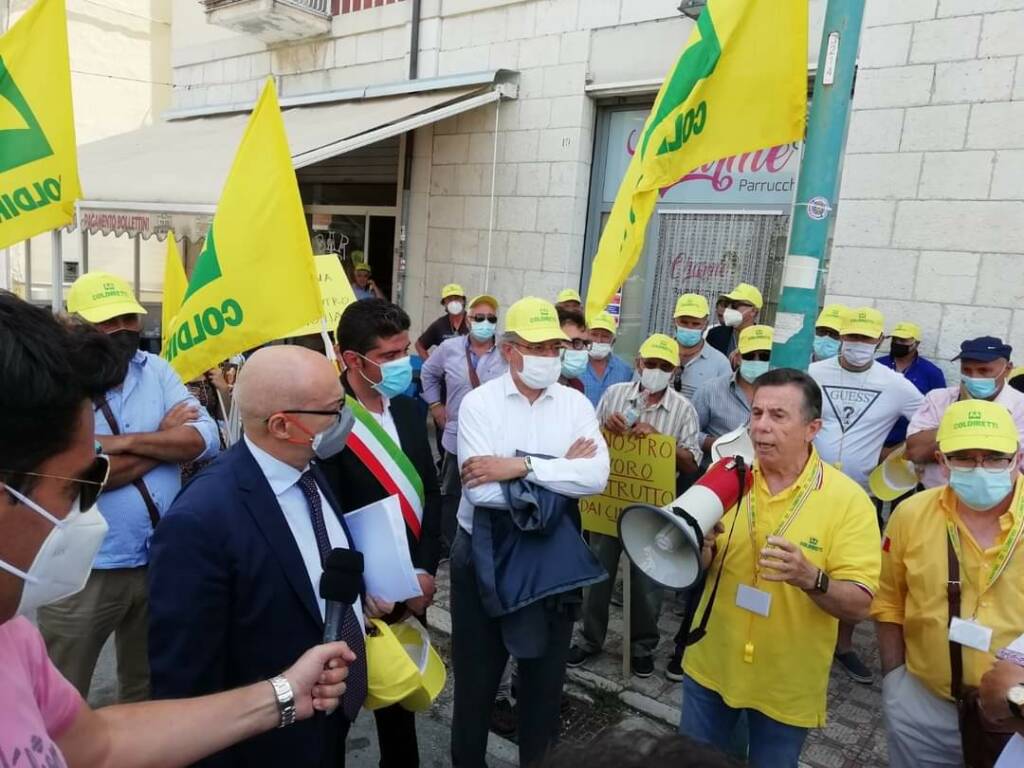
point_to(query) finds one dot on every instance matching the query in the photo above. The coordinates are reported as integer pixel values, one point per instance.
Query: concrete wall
(930, 224)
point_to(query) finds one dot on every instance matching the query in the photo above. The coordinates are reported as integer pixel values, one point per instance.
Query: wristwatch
(821, 583)
(1015, 698)
(528, 461)
(285, 700)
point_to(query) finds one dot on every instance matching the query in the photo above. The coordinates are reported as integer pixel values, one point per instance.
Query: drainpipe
(414, 42)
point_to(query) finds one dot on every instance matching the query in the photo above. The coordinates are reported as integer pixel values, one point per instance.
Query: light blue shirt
(617, 372)
(150, 389)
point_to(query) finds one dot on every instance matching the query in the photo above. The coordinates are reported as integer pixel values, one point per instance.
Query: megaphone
(665, 542)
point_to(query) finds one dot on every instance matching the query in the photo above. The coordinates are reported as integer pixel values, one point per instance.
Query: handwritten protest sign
(335, 293)
(643, 471)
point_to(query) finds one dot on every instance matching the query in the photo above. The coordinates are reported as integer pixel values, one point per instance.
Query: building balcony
(272, 21)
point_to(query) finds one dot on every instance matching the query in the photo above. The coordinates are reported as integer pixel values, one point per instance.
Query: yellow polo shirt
(788, 678)
(912, 591)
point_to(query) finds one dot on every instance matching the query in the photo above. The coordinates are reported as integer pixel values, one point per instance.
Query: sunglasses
(661, 365)
(763, 355)
(484, 318)
(90, 485)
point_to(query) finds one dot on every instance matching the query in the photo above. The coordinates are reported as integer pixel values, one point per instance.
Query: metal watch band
(1015, 708)
(285, 700)
(528, 461)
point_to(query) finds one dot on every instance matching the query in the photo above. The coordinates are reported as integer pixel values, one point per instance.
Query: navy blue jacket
(231, 604)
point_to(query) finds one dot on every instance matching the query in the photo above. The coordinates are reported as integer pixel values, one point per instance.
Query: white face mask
(600, 350)
(539, 372)
(455, 307)
(732, 317)
(64, 561)
(655, 379)
(858, 353)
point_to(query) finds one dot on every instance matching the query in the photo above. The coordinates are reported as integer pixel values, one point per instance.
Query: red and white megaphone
(665, 542)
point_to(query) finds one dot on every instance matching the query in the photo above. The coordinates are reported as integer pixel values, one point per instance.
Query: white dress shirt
(284, 482)
(385, 419)
(495, 419)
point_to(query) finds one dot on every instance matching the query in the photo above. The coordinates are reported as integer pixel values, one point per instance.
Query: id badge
(754, 600)
(970, 634)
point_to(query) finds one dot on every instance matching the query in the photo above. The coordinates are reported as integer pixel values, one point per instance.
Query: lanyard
(813, 481)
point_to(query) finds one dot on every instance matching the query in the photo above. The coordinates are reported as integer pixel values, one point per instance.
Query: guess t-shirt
(37, 703)
(858, 410)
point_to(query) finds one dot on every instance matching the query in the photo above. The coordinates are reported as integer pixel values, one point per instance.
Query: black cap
(984, 349)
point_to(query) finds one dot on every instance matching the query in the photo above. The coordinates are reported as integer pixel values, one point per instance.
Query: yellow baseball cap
(832, 317)
(691, 305)
(893, 477)
(402, 667)
(569, 294)
(970, 424)
(746, 293)
(604, 322)
(864, 321)
(452, 289)
(484, 298)
(99, 296)
(534, 320)
(907, 331)
(660, 347)
(756, 338)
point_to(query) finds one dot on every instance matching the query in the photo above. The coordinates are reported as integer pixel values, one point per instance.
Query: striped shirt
(721, 407)
(673, 415)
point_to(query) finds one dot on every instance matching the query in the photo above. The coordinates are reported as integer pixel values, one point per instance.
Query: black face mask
(126, 343)
(899, 350)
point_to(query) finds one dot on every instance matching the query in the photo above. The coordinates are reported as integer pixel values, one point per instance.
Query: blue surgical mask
(482, 331)
(825, 347)
(980, 489)
(751, 369)
(574, 362)
(688, 337)
(396, 376)
(979, 389)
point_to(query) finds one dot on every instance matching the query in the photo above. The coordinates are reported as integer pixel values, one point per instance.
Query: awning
(170, 175)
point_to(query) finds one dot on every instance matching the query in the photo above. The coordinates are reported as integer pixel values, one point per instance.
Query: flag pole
(814, 210)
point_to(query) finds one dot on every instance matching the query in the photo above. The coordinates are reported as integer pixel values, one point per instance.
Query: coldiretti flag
(38, 162)
(740, 85)
(175, 285)
(254, 280)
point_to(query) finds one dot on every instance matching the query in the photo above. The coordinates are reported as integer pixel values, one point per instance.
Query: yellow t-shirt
(787, 680)
(912, 591)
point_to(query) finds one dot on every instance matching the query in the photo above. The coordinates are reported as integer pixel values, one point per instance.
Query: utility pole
(817, 189)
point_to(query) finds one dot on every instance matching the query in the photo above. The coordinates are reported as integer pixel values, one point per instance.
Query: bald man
(236, 562)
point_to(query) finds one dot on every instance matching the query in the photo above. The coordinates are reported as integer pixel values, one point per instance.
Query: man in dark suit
(373, 343)
(236, 562)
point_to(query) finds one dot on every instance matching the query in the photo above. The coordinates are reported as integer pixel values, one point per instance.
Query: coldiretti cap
(534, 320)
(452, 289)
(893, 477)
(864, 321)
(747, 293)
(432, 674)
(969, 424)
(832, 317)
(691, 305)
(402, 667)
(484, 298)
(660, 347)
(605, 322)
(569, 294)
(99, 296)
(907, 331)
(756, 338)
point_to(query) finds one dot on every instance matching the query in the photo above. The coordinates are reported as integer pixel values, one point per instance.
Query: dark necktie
(351, 632)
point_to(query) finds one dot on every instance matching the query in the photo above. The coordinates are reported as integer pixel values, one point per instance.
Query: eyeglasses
(90, 485)
(740, 305)
(579, 344)
(822, 331)
(763, 355)
(336, 414)
(484, 318)
(988, 463)
(662, 365)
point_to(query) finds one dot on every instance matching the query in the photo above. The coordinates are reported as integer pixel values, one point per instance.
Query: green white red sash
(387, 463)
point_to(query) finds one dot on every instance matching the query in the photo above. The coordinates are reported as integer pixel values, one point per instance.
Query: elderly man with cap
(451, 324)
(524, 426)
(935, 643)
(826, 331)
(569, 298)
(148, 424)
(646, 407)
(363, 285)
(984, 368)
(863, 401)
(699, 362)
(605, 368)
(745, 303)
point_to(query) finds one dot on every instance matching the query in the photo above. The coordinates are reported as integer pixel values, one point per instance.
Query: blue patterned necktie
(351, 632)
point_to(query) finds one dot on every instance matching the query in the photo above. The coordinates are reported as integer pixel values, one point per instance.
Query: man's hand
(439, 414)
(420, 604)
(376, 608)
(582, 448)
(112, 445)
(707, 549)
(179, 415)
(994, 686)
(784, 561)
(643, 429)
(318, 678)
(616, 424)
(480, 470)
(216, 377)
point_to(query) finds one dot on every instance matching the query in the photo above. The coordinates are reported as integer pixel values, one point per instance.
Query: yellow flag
(175, 285)
(335, 294)
(255, 280)
(740, 85)
(38, 163)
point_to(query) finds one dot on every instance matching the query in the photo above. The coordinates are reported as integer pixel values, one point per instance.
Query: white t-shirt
(858, 411)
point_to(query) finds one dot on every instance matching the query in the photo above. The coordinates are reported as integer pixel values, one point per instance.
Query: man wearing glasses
(647, 406)
(576, 355)
(521, 425)
(148, 424)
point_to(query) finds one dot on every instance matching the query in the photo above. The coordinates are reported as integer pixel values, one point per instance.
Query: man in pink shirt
(984, 368)
(50, 531)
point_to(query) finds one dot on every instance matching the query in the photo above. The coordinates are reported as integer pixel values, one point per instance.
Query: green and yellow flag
(254, 280)
(175, 285)
(739, 86)
(38, 163)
